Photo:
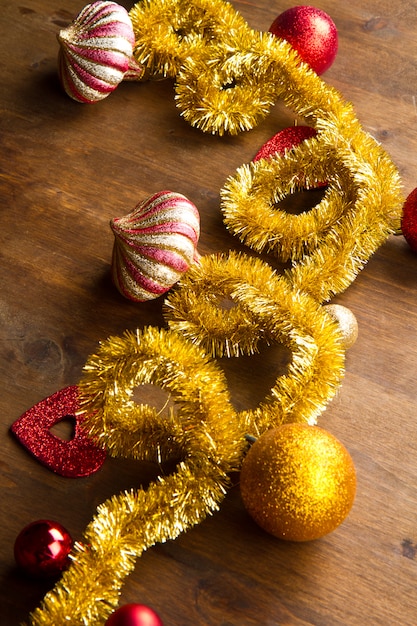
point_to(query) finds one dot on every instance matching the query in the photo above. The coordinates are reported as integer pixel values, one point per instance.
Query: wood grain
(65, 170)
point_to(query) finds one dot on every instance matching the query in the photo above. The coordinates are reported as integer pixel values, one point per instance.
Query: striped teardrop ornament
(95, 51)
(154, 245)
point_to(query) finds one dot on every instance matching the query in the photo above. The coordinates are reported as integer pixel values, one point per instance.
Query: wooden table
(66, 169)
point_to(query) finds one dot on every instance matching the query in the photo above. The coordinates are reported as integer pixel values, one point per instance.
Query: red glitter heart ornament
(75, 458)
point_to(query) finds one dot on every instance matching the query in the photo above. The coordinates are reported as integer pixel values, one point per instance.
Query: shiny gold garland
(227, 77)
(201, 429)
(251, 201)
(265, 310)
(333, 241)
(203, 309)
(168, 32)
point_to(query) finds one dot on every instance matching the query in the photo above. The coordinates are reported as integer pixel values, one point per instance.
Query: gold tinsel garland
(250, 201)
(168, 32)
(266, 309)
(201, 429)
(227, 77)
(333, 241)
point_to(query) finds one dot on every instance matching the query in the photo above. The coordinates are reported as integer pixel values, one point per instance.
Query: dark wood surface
(66, 169)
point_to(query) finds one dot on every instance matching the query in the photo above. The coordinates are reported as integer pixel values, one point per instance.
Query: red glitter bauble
(285, 140)
(42, 548)
(409, 220)
(311, 32)
(134, 615)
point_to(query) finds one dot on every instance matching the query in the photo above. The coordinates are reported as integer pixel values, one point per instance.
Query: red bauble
(311, 32)
(285, 140)
(42, 548)
(409, 220)
(134, 615)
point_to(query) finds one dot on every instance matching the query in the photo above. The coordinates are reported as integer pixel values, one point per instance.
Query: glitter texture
(227, 78)
(285, 140)
(311, 32)
(75, 458)
(154, 245)
(347, 322)
(298, 482)
(95, 51)
(204, 432)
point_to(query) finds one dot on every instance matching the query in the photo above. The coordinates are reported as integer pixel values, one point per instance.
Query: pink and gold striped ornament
(154, 245)
(96, 51)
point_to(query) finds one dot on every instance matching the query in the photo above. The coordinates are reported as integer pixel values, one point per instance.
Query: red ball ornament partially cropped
(285, 140)
(409, 220)
(134, 615)
(41, 549)
(311, 32)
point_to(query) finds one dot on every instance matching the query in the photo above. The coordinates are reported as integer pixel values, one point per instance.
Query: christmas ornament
(298, 482)
(41, 549)
(154, 245)
(347, 323)
(409, 220)
(250, 202)
(95, 51)
(227, 89)
(311, 32)
(134, 615)
(80, 456)
(285, 140)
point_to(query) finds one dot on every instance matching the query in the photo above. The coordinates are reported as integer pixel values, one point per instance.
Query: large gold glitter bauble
(298, 482)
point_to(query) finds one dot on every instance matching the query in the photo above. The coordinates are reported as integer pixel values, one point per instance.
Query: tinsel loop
(332, 242)
(261, 307)
(201, 429)
(167, 32)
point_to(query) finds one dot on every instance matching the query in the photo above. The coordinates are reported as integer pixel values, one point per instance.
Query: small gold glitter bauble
(298, 482)
(347, 323)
